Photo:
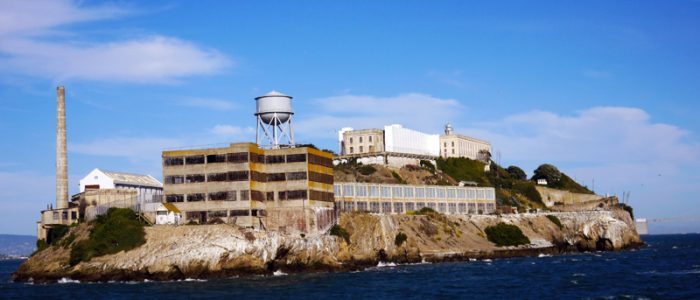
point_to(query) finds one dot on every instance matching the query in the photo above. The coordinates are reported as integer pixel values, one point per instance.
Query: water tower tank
(274, 104)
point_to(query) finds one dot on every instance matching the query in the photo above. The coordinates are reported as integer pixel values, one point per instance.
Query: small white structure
(148, 188)
(168, 214)
(542, 181)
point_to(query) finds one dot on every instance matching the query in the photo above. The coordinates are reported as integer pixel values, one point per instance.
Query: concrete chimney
(61, 153)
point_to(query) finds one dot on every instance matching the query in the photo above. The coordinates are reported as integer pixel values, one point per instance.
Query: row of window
(400, 207)
(360, 138)
(362, 149)
(375, 191)
(246, 175)
(245, 195)
(239, 157)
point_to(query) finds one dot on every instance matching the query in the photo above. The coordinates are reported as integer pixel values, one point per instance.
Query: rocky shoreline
(220, 251)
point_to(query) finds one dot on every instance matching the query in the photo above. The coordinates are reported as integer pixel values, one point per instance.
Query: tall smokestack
(61, 153)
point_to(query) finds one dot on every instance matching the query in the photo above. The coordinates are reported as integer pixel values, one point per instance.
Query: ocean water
(668, 269)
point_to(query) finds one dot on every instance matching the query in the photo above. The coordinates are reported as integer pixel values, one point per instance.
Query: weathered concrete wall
(551, 196)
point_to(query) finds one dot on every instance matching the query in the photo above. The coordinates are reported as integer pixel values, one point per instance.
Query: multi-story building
(282, 189)
(362, 141)
(457, 145)
(398, 199)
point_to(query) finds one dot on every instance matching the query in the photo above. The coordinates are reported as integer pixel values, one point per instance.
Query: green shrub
(398, 177)
(65, 242)
(554, 220)
(40, 245)
(366, 170)
(55, 233)
(426, 211)
(117, 230)
(506, 235)
(627, 208)
(527, 189)
(426, 164)
(400, 239)
(339, 231)
(460, 168)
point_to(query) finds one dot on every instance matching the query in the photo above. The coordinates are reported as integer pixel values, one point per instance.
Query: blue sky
(607, 91)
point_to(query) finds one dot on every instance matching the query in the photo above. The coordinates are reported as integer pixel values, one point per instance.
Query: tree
(548, 172)
(516, 173)
(484, 155)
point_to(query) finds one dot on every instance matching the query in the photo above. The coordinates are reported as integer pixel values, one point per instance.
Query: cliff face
(206, 251)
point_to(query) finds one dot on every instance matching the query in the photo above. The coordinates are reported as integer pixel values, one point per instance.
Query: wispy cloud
(27, 26)
(415, 110)
(214, 104)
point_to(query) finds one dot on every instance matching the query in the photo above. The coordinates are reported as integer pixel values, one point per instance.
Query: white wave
(488, 260)
(472, 259)
(67, 280)
(278, 273)
(195, 280)
(544, 255)
(382, 264)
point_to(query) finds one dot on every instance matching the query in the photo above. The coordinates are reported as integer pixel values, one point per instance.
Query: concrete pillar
(61, 152)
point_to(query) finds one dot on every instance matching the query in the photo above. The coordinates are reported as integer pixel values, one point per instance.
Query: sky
(608, 91)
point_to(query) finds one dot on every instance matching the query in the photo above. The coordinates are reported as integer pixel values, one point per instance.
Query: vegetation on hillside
(339, 231)
(554, 220)
(464, 169)
(117, 230)
(400, 239)
(558, 180)
(628, 208)
(503, 234)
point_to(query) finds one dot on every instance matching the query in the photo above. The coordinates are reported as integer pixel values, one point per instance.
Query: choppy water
(668, 269)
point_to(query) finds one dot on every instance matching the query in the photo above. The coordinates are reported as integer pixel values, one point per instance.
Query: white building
(168, 214)
(403, 140)
(148, 189)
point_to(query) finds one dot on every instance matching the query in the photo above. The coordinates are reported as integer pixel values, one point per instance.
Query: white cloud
(618, 148)
(24, 42)
(214, 104)
(413, 110)
(232, 131)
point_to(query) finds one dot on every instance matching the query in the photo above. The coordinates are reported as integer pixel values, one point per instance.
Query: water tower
(274, 124)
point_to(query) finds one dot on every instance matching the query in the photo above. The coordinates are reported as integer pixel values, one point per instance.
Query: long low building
(399, 198)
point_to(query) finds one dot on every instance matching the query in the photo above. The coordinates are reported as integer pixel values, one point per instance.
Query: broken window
(173, 161)
(296, 176)
(194, 178)
(320, 177)
(195, 197)
(257, 176)
(175, 179)
(174, 198)
(297, 194)
(239, 213)
(321, 161)
(240, 157)
(296, 158)
(212, 177)
(257, 195)
(270, 196)
(238, 176)
(245, 195)
(276, 177)
(274, 159)
(218, 196)
(194, 160)
(216, 158)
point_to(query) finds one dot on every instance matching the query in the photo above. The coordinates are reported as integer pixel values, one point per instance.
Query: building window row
(382, 191)
(320, 177)
(320, 160)
(239, 157)
(321, 196)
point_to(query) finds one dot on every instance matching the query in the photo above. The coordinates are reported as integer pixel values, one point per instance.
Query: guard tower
(274, 121)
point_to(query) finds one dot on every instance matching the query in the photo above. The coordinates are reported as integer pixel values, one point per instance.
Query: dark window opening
(257, 176)
(195, 197)
(238, 176)
(174, 198)
(296, 176)
(194, 160)
(296, 158)
(216, 158)
(219, 196)
(240, 157)
(245, 195)
(320, 177)
(276, 177)
(177, 179)
(295, 195)
(270, 196)
(194, 178)
(274, 159)
(238, 213)
(173, 161)
(257, 195)
(213, 177)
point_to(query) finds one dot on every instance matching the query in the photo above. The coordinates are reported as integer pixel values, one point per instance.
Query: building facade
(403, 140)
(282, 189)
(147, 188)
(398, 199)
(457, 145)
(364, 141)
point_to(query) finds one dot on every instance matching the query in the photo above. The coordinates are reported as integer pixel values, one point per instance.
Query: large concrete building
(286, 189)
(394, 145)
(457, 145)
(363, 141)
(398, 199)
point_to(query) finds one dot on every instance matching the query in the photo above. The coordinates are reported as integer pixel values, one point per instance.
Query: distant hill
(17, 245)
